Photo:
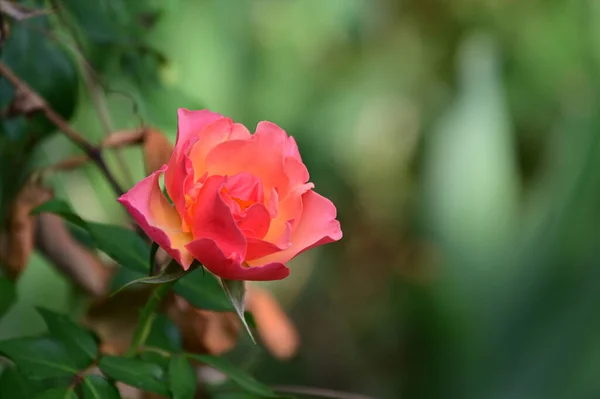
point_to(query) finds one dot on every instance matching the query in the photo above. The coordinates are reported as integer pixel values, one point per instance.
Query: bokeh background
(458, 139)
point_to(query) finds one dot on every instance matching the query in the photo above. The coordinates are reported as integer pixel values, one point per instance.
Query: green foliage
(203, 291)
(80, 343)
(96, 387)
(41, 357)
(121, 244)
(182, 379)
(138, 373)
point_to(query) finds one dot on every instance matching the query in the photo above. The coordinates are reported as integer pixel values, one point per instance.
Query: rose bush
(241, 203)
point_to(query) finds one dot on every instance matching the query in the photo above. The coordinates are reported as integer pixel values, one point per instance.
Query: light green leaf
(138, 373)
(96, 387)
(40, 357)
(203, 291)
(236, 291)
(79, 342)
(237, 375)
(182, 379)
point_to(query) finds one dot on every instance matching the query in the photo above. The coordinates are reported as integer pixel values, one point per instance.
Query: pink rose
(242, 204)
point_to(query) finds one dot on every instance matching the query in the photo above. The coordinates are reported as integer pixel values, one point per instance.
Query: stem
(142, 330)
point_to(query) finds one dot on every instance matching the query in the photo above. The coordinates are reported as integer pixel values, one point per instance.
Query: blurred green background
(458, 139)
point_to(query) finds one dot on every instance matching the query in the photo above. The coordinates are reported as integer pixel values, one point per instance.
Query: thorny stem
(144, 325)
(92, 152)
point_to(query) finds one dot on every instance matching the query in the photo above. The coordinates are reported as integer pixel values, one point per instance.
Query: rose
(242, 204)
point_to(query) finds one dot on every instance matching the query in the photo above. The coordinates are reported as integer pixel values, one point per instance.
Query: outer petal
(149, 207)
(316, 227)
(190, 124)
(210, 255)
(213, 220)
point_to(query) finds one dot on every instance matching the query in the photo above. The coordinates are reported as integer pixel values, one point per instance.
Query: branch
(34, 102)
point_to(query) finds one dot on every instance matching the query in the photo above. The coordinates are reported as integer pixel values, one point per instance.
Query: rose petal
(256, 219)
(213, 219)
(149, 207)
(212, 257)
(262, 155)
(190, 124)
(316, 227)
(217, 132)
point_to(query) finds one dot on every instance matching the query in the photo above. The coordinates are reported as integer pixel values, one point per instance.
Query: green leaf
(182, 379)
(8, 294)
(171, 273)
(41, 357)
(57, 393)
(138, 373)
(79, 342)
(236, 291)
(14, 385)
(62, 209)
(96, 387)
(164, 335)
(203, 291)
(121, 244)
(237, 375)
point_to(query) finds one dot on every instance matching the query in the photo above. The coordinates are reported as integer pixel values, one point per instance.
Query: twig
(92, 152)
(319, 392)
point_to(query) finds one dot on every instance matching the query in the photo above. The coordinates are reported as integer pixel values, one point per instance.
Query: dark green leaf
(53, 76)
(41, 357)
(79, 342)
(203, 291)
(8, 294)
(249, 317)
(236, 291)
(62, 209)
(121, 244)
(138, 373)
(96, 387)
(237, 375)
(164, 335)
(182, 379)
(57, 393)
(14, 385)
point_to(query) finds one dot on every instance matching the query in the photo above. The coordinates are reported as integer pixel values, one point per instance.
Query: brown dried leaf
(275, 328)
(17, 236)
(157, 150)
(54, 240)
